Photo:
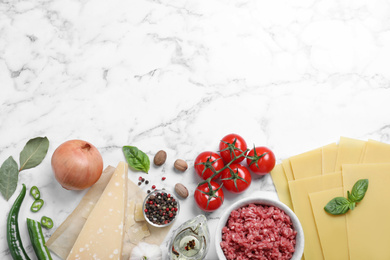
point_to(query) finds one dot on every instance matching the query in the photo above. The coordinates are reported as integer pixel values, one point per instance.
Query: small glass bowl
(154, 193)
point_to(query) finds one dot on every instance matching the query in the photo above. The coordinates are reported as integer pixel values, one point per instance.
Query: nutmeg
(160, 158)
(181, 165)
(181, 190)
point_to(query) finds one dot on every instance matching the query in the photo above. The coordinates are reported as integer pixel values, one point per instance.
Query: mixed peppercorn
(161, 208)
(143, 180)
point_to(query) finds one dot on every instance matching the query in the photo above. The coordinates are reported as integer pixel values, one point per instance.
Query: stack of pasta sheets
(308, 181)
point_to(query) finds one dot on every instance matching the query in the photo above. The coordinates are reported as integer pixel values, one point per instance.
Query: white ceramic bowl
(300, 242)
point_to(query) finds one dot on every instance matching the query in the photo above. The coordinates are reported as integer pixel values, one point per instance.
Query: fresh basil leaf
(136, 159)
(33, 152)
(337, 206)
(358, 190)
(8, 177)
(352, 205)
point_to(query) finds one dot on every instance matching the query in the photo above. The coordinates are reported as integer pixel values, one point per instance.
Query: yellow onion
(77, 164)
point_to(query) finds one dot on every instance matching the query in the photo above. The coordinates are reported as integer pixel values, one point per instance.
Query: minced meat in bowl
(259, 229)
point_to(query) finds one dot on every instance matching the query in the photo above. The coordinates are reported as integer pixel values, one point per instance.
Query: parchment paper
(157, 235)
(63, 239)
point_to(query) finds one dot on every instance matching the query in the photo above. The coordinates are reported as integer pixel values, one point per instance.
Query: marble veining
(179, 75)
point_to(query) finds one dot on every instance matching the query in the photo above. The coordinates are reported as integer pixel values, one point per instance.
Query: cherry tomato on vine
(261, 160)
(205, 163)
(236, 178)
(209, 199)
(231, 145)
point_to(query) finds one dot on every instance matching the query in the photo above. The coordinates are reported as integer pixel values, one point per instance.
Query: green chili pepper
(38, 240)
(34, 191)
(47, 222)
(13, 237)
(37, 205)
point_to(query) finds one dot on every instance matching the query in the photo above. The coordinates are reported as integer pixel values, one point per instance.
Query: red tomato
(206, 162)
(261, 160)
(237, 178)
(209, 200)
(230, 145)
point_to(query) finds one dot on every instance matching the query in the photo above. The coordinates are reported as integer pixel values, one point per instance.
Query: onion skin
(77, 164)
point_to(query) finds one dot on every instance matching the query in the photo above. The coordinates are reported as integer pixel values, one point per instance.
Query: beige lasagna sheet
(307, 164)
(281, 185)
(349, 152)
(287, 170)
(332, 230)
(368, 225)
(376, 152)
(300, 190)
(329, 157)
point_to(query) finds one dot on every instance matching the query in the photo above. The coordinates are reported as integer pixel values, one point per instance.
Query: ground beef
(258, 232)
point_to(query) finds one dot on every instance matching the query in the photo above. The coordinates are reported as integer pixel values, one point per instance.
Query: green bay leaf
(33, 152)
(8, 177)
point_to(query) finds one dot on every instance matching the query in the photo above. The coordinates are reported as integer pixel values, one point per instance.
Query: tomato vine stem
(215, 173)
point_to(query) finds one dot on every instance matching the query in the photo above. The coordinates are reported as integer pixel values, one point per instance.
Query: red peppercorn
(167, 209)
(153, 187)
(146, 210)
(163, 178)
(170, 215)
(140, 178)
(169, 195)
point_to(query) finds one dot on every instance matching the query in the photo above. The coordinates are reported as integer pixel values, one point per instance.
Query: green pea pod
(15, 244)
(47, 222)
(35, 193)
(38, 240)
(37, 205)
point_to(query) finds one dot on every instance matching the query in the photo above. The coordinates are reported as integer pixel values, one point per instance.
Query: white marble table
(179, 75)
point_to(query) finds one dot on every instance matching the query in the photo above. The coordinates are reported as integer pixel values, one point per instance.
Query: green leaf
(8, 177)
(33, 152)
(136, 159)
(352, 205)
(337, 206)
(358, 190)
(341, 205)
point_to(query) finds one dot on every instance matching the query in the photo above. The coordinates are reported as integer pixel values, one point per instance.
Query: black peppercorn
(160, 208)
